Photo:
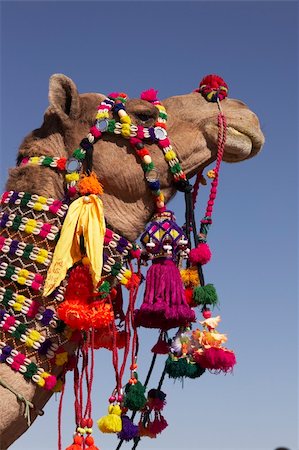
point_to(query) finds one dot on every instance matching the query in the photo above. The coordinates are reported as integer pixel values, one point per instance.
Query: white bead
(147, 159)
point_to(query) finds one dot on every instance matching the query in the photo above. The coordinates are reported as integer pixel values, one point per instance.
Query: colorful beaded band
(21, 276)
(116, 102)
(34, 201)
(31, 309)
(119, 243)
(27, 251)
(26, 367)
(30, 337)
(30, 226)
(46, 161)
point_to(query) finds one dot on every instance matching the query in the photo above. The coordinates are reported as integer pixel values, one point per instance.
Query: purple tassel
(129, 430)
(164, 305)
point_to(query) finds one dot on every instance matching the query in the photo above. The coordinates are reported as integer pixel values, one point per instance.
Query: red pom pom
(50, 382)
(135, 253)
(150, 95)
(80, 286)
(206, 313)
(74, 314)
(72, 191)
(113, 95)
(77, 443)
(213, 87)
(201, 254)
(213, 81)
(89, 440)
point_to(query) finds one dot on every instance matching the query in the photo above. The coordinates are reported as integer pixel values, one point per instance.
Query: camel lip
(255, 136)
(241, 143)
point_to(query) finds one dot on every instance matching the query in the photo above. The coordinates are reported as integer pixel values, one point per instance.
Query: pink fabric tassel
(164, 305)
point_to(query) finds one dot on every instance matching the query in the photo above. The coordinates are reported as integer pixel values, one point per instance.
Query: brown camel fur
(192, 129)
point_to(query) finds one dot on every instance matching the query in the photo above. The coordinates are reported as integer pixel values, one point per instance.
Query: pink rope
(220, 151)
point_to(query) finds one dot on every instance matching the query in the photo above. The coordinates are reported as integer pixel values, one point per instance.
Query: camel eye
(143, 117)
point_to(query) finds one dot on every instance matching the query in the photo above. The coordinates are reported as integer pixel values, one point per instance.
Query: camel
(128, 205)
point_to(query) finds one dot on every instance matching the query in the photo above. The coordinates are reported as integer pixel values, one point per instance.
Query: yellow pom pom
(211, 174)
(17, 307)
(23, 273)
(42, 200)
(102, 115)
(170, 155)
(29, 342)
(112, 422)
(126, 119)
(34, 160)
(72, 177)
(34, 335)
(190, 276)
(21, 280)
(41, 382)
(127, 274)
(61, 358)
(37, 206)
(20, 299)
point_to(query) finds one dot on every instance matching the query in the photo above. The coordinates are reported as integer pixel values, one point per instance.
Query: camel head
(192, 130)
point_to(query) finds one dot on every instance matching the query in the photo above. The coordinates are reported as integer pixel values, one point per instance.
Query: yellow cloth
(85, 217)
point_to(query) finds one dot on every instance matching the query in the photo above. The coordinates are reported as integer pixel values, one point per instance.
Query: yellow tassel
(85, 217)
(112, 422)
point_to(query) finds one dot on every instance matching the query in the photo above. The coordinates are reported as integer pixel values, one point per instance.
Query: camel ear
(63, 97)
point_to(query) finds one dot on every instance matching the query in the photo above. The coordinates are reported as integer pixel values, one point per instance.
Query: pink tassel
(215, 358)
(201, 254)
(164, 305)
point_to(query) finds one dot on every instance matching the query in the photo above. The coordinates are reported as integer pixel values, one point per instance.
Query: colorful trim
(21, 276)
(26, 367)
(32, 309)
(34, 201)
(46, 161)
(27, 251)
(30, 226)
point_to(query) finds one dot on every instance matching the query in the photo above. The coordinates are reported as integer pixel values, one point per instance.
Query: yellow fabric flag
(85, 217)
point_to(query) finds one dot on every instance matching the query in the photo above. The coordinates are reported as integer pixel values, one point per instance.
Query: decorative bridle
(85, 256)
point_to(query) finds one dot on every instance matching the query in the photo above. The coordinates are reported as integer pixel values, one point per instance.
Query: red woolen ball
(201, 254)
(213, 81)
(206, 313)
(89, 440)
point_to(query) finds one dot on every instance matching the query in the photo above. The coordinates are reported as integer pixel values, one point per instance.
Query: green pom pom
(205, 295)
(193, 370)
(176, 368)
(179, 368)
(134, 396)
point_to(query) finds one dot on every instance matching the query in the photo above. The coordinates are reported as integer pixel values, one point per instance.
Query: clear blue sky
(131, 46)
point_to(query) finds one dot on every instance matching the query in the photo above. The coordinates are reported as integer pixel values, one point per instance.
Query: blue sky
(131, 46)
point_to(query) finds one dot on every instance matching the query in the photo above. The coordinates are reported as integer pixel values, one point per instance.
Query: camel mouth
(241, 144)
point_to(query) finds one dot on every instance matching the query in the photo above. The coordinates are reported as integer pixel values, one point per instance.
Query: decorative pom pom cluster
(213, 87)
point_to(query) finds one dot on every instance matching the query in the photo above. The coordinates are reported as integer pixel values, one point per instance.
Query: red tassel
(77, 443)
(161, 347)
